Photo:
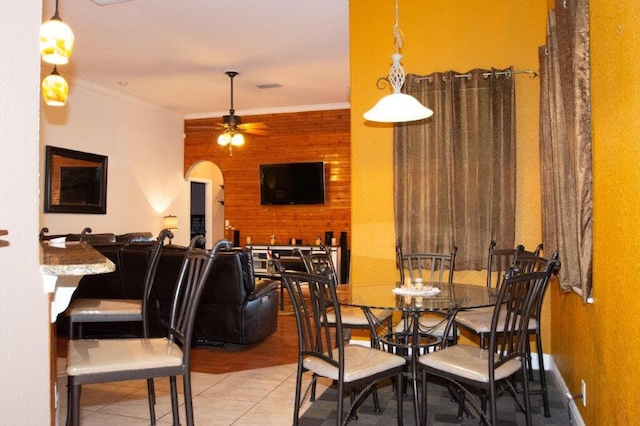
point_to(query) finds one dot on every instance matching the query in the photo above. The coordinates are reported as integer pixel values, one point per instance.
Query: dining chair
(112, 360)
(320, 262)
(466, 366)
(91, 310)
(478, 320)
(434, 269)
(323, 352)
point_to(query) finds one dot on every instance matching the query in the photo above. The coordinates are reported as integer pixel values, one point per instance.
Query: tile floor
(253, 397)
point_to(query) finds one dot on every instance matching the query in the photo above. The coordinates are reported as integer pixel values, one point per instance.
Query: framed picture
(75, 182)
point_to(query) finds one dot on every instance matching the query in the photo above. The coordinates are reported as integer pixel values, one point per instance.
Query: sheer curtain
(454, 173)
(565, 143)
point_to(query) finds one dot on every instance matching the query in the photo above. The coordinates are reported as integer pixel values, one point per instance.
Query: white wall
(24, 357)
(144, 145)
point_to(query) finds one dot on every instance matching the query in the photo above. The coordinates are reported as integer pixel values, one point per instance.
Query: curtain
(565, 144)
(454, 173)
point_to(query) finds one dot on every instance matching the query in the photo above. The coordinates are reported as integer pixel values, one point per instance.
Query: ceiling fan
(232, 135)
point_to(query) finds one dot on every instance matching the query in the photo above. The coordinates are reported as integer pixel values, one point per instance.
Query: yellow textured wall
(600, 343)
(438, 36)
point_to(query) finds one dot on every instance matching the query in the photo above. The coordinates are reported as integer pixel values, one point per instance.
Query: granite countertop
(72, 258)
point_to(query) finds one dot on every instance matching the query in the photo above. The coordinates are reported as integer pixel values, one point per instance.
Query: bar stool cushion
(88, 310)
(112, 355)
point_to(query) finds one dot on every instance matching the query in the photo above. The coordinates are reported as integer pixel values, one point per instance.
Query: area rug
(440, 408)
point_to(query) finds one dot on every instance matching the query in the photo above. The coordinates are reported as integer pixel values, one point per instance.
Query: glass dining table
(413, 337)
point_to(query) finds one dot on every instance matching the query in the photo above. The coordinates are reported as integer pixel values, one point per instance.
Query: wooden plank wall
(294, 137)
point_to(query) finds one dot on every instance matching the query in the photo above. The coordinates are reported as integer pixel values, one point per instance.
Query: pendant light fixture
(397, 107)
(56, 40)
(55, 89)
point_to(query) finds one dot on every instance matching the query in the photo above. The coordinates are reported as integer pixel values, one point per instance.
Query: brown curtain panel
(565, 144)
(454, 173)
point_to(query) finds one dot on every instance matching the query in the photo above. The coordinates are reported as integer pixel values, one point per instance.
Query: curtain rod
(532, 74)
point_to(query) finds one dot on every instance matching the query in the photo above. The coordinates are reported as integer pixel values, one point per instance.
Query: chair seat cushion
(480, 320)
(355, 316)
(119, 307)
(469, 362)
(113, 355)
(359, 362)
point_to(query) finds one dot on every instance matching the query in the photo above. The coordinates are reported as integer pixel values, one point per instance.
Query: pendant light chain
(396, 73)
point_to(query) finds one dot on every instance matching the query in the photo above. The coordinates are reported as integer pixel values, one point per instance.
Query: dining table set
(413, 300)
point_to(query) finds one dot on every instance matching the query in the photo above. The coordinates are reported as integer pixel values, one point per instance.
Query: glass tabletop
(382, 296)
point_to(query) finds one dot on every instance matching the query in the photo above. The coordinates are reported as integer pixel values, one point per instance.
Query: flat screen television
(292, 183)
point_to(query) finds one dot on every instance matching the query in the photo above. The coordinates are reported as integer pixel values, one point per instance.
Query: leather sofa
(234, 307)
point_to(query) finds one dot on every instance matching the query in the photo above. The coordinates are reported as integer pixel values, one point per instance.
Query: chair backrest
(532, 262)
(435, 268)
(313, 296)
(150, 276)
(514, 307)
(318, 262)
(192, 278)
(499, 260)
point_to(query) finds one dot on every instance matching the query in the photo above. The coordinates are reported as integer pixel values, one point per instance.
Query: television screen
(292, 183)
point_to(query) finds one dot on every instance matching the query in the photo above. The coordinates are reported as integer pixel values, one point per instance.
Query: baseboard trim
(574, 414)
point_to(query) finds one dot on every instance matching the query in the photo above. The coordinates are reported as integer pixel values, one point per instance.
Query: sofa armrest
(262, 288)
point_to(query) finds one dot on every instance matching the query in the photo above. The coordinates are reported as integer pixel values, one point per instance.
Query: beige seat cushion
(112, 355)
(360, 362)
(480, 321)
(469, 362)
(88, 307)
(355, 316)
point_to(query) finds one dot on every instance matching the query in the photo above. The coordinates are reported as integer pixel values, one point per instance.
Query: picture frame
(75, 181)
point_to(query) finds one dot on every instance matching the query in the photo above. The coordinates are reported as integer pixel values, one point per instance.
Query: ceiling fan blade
(257, 132)
(251, 126)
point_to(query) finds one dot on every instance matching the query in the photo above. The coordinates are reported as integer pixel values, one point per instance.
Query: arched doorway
(207, 201)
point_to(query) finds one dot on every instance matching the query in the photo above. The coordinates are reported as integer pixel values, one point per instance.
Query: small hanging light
(55, 89)
(56, 40)
(397, 107)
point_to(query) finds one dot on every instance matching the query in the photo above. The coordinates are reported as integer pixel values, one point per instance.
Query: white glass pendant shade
(237, 140)
(55, 89)
(396, 108)
(56, 41)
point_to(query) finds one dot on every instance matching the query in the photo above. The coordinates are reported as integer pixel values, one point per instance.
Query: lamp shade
(170, 222)
(237, 140)
(397, 108)
(224, 139)
(56, 41)
(55, 89)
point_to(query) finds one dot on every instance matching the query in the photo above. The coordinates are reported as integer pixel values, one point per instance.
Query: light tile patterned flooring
(253, 397)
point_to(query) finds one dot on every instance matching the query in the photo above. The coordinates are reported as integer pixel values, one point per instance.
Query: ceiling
(175, 53)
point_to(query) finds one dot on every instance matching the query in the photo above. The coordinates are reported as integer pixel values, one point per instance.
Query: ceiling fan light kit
(232, 123)
(397, 107)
